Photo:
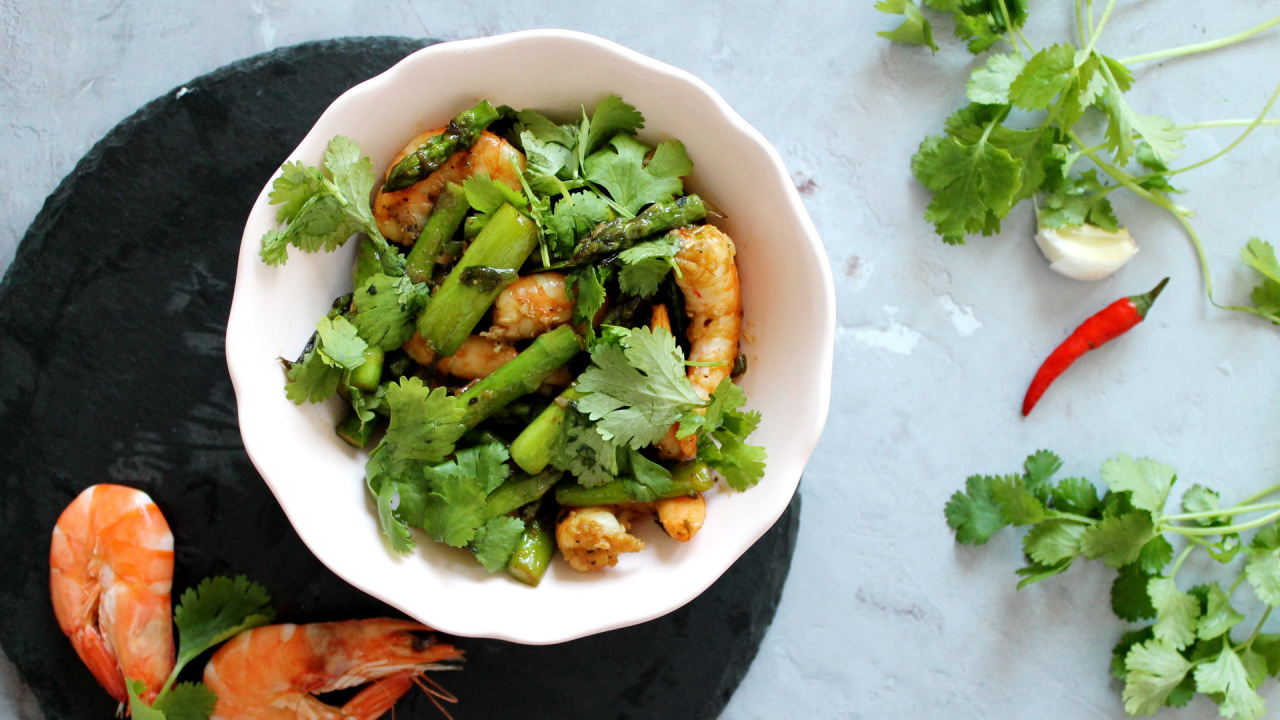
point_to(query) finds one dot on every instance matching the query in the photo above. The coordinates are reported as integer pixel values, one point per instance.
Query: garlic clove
(1085, 252)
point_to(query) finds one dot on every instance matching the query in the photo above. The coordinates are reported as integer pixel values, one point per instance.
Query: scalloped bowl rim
(312, 474)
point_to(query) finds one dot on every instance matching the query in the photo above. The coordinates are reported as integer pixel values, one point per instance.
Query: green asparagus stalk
(462, 133)
(533, 554)
(446, 215)
(521, 376)
(686, 479)
(621, 233)
(518, 492)
(369, 374)
(532, 448)
(457, 306)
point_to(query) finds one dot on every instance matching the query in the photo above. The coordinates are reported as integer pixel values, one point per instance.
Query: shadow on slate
(112, 319)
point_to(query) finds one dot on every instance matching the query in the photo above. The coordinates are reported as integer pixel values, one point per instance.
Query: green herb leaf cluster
(1047, 123)
(215, 611)
(1191, 645)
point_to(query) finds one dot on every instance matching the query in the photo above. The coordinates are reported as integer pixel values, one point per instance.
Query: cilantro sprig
(1196, 641)
(323, 207)
(207, 615)
(1046, 123)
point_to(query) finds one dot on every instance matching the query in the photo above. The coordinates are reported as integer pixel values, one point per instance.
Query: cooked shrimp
(708, 280)
(111, 570)
(591, 538)
(531, 306)
(476, 358)
(682, 517)
(401, 214)
(272, 672)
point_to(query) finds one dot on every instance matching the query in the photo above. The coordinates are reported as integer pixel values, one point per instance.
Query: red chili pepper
(1111, 322)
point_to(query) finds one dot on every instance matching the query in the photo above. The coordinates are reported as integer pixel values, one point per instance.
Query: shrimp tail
(97, 655)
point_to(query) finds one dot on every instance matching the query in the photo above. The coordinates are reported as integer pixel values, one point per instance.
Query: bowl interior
(787, 337)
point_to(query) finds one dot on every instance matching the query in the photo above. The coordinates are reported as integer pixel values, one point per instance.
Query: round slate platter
(111, 346)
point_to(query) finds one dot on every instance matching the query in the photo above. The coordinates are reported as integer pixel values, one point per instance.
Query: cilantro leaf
(1079, 200)
(636, 391)
(1155, 669)
(216, 610)
(1118, 540)
(1129, 598)
(1053, 541)
(312, 380)
(339, 343)
(1041, 466)
(1155, 555)
(651, 479)
(1261, 256)
(495, 542)
(643, 278)
(1045, 75)
(423, 429)
(1219, 617)
(574, 216)
(1263, 572)
(385, 310)
(583, 452)
(1177, 612)
(1019, 506)
(975, 514)
(1146, 480)
(915, 28)
(630, 182)
(185, 701)
(1227, 675)
(322, 209)
(1036, 572)
(974, 185)
(989, 84)
(454, 509)
(138, 709)
(610, 118)
(1077, 496)
(1201, 499)
(742, 465)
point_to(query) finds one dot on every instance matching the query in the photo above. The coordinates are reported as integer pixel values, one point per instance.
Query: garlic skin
(1085, 252)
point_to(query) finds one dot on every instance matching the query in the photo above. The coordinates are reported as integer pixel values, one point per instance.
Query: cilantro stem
(1256, 121)
(1186, 552)
(1247, 644)
(1102, 22)
(1224, 530)
(1261, 494)
(1179, 213)
(1225, 123)
(1224, 512)
(1072, 516)
(1204, 46)
(1080, 26)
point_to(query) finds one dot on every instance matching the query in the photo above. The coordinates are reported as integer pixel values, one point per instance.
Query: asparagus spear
(461, 134)
(518, 492)
(457, 306)
(533, 553)
(621, 233)
(686, 479)
(531, 449)
(369, 374)
(355, 433)
(442, 224)
(521, 376)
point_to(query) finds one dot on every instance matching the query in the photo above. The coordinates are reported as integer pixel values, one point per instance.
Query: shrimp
(682, 517)
(591, 538)
(531, 306)
(272, 672)
(708, 280)
(476, 358)
(111, 571)
(401, 214)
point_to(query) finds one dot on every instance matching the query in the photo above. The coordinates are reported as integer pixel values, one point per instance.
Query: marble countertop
(883, 615)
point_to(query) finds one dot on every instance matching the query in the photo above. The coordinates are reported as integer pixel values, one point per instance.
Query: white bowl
(788, 339)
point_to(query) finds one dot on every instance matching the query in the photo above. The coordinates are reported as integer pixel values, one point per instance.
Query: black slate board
(111, 342)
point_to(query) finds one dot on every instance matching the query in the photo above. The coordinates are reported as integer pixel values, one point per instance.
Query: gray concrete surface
(883, 615)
